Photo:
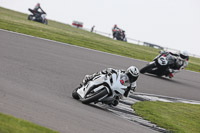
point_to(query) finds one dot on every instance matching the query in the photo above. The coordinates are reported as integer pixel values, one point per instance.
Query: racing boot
(115, 102)
(170, 75)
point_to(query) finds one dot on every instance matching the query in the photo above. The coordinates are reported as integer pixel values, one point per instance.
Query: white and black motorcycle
(38, 18)
(104, 88)
(159, 65)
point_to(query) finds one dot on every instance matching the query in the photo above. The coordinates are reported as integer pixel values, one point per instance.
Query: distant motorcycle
(105, 88)
(119, 34)
(160, 65)
(37, 17)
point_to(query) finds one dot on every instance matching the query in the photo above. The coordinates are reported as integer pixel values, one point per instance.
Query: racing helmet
(115, 25)
(38, 4)
(133, 73)
(184, 55)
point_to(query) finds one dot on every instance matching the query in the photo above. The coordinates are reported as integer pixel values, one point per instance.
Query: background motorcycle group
(39, 15)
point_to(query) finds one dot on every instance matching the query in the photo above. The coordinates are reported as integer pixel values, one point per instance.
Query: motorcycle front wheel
(94, 97)
(75, 94)
(147, 68)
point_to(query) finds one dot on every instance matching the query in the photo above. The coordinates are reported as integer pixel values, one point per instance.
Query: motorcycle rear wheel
(147, 68)
(30, 17)
(95, 97)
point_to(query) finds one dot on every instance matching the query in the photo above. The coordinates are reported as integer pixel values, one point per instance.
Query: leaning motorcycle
(105, 88)
(119, 35)
(159, 65)
(41, 18)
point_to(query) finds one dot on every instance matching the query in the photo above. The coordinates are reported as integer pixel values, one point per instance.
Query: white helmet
(184, 55)
(133, 73)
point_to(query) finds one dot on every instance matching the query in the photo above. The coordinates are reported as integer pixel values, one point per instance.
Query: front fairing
(110, 82)
(116, 84)
(95, 82)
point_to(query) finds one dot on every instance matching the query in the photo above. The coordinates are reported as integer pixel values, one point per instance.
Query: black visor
(183, 56)
(131, 78)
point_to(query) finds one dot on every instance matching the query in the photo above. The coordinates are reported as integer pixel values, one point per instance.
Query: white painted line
(154, 97)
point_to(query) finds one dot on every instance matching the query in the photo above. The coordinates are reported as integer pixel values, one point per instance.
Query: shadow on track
(173, 80)
(92, 105)
(158, 77)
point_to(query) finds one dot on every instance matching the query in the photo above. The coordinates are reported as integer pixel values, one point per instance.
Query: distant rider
(114, 29)
(128, 77)
(37, 12)
(180, 61)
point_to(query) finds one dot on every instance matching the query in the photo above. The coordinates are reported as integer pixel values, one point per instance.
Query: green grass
(15, 21)
(9, 124)
(176, 117)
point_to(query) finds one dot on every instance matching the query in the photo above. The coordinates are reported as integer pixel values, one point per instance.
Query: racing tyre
(147, 68)
(118, 37)
(46, 21)
(75, 94)
(30, 17)
(94, 97)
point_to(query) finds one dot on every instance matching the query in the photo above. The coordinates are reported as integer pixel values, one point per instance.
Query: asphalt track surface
(37, 77)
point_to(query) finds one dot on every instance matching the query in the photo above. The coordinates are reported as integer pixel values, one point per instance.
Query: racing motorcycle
(104, 88)
(38, 18)
(119, 35)
(160, 65)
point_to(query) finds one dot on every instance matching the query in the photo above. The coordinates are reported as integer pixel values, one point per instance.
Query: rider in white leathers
(127, 78)
(180, 62)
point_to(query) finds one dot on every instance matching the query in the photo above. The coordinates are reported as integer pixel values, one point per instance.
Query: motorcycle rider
(180, 61)
(122, 33)
(37, 12)
(127, 78)
(114, 30)
(115, 27)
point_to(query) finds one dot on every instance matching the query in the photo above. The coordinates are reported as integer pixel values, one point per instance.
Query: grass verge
(175, 117)
(15, 21)
(9, 124)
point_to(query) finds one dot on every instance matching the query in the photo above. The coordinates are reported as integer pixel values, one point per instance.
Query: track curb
(125, 111)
